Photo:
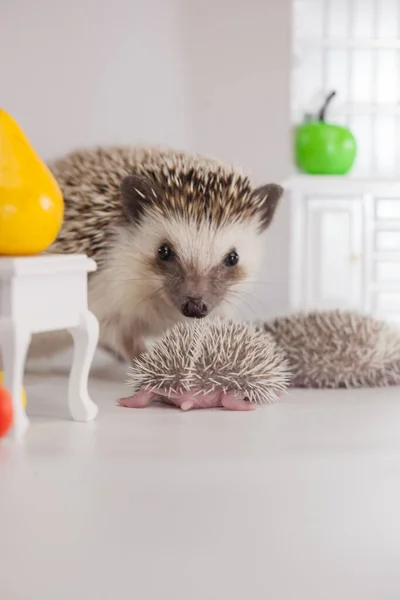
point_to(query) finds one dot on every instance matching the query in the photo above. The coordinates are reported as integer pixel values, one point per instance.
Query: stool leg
(14, 344)
(86, 336)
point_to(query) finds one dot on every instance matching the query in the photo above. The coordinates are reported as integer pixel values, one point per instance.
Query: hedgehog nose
(195, 308)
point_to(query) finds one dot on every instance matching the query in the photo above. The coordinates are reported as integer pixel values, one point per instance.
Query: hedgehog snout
(194, 308)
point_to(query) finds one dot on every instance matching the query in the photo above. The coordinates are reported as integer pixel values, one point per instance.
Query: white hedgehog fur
(333, 349)
(213, 355)
(124, 283)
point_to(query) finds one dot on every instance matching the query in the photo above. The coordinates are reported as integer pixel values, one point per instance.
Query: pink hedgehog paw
(141, 399)
(186, 401)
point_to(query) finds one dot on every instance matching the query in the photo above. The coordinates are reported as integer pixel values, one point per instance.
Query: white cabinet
(333, 248)
(345, 245)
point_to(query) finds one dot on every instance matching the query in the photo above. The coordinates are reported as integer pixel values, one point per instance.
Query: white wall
(93, 71)
(204, 75)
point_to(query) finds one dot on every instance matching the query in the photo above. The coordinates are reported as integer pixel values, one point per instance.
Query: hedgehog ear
(269, 196)
(137, 192)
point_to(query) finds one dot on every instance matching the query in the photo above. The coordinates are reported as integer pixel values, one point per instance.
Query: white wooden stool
(39, 294)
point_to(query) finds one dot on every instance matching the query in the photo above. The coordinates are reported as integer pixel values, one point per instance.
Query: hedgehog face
(198, 266)
(201, 250)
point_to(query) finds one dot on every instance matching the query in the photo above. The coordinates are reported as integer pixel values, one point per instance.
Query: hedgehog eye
(165, 253)
(231, 259)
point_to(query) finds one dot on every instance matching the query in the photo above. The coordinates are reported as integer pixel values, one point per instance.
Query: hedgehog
(175, 237)
(336, 349)
(211, 363)
(237, 366)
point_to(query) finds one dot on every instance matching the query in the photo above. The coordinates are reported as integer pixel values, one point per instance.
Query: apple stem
(322, 112)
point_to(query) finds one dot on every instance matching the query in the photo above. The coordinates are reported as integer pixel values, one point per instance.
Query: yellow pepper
(31, 202)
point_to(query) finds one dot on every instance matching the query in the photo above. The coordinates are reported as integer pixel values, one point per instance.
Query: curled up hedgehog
(176, 237)
(210, 364)
(237, 366)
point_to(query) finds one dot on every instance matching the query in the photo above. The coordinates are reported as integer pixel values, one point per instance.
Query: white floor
(300, 500)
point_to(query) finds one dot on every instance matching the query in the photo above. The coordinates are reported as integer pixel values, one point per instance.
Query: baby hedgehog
(335, 349)
(175, 237)
(208, 364)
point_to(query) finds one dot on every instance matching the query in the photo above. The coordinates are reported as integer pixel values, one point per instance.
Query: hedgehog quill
(172, 234)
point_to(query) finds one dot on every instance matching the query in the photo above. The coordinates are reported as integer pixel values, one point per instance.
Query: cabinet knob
(355, 257)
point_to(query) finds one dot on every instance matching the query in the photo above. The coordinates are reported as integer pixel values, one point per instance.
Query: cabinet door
(333, 253)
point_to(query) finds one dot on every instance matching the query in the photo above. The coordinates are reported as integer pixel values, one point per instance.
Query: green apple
(324, 148)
